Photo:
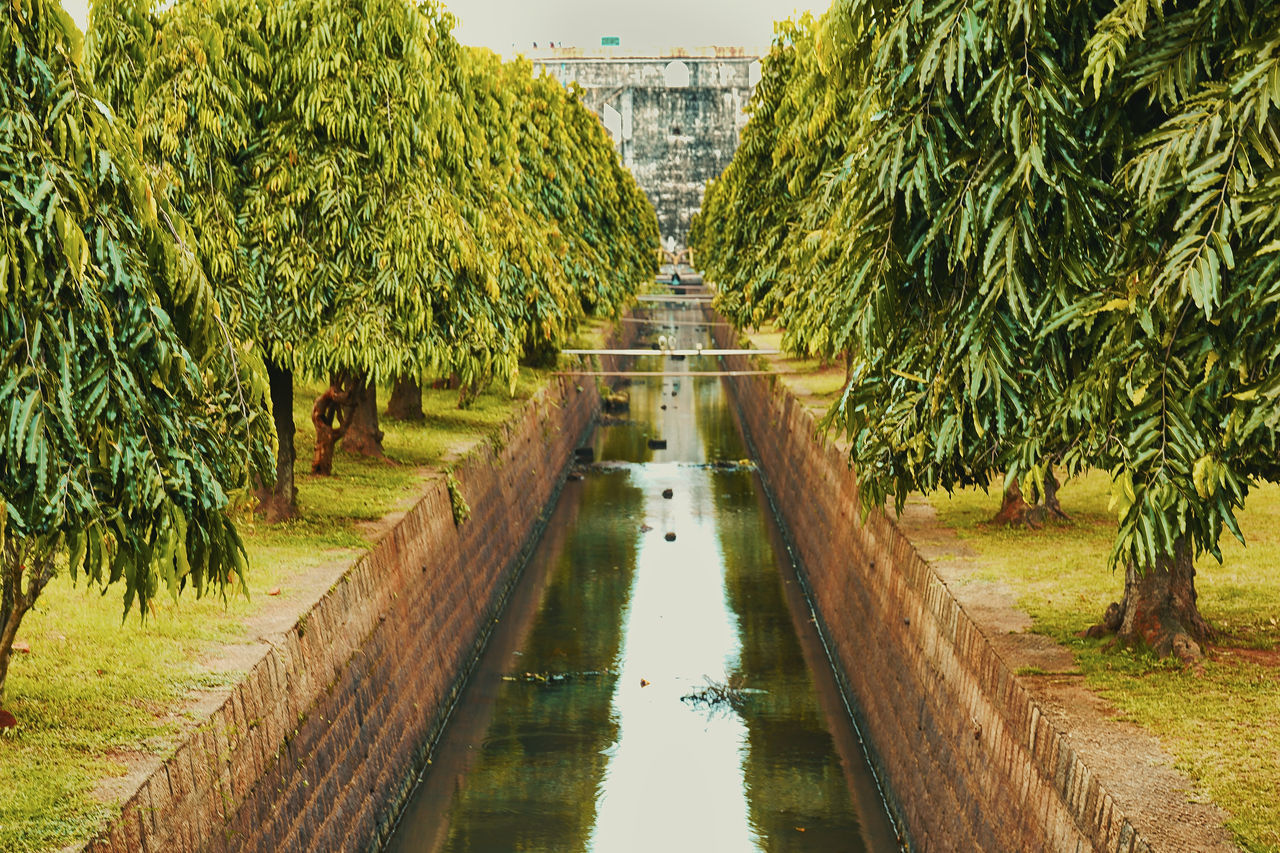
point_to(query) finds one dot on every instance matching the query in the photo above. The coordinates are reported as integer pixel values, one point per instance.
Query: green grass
(1221, 723)
(96, 688)
(819, 382)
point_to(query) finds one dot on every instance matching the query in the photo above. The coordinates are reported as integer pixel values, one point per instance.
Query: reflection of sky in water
(556, 746)
(674, 781)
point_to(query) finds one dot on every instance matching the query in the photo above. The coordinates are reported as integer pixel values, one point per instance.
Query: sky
(502, 24)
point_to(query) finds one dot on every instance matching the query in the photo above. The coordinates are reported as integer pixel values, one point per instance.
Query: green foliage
(1030, 242)
(128, 422)
(461, 509)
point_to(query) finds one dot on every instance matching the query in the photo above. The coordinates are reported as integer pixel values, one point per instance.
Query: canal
(657, 681)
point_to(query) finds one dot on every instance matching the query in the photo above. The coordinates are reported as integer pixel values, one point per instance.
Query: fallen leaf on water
(799, 829)
(644, 682)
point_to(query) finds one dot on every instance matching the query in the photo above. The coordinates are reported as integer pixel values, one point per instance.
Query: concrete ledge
(970, 756)
(319, 744)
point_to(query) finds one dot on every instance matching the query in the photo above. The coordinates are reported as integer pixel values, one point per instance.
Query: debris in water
(644, 528)
(668, 493)
(644, 682)
(657, 444)
(719, 696)
(670, 537)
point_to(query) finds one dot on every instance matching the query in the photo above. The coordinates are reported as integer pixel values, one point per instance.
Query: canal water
(656, 682)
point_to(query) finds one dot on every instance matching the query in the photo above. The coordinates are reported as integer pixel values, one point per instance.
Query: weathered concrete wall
(675, 119)
(970, 759)
(319, 744)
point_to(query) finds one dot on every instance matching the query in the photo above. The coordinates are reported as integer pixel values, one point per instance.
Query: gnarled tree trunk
(1159, 608)
(406, 400)
(330, 416)
(363, 436)
(279, 501)
(347, 411)
(1051, 505)
(1015, 511)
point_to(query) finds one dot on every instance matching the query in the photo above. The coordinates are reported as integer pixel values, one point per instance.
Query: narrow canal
(656, 683)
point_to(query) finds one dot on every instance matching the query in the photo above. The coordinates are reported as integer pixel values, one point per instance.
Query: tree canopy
(1032, 244)
(131, 411)
(240, 189)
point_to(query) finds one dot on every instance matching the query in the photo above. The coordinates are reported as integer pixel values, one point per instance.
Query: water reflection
(575, 733)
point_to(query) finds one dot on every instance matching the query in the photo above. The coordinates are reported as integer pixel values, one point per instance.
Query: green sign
(610, 41)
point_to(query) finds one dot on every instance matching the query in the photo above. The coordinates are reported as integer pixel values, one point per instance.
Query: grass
(1221, 722)
(96, 689)
(819, 383)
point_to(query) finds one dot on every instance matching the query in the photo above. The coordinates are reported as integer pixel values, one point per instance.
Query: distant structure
(674, 114)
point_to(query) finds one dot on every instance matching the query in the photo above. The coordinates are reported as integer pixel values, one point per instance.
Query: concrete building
(675, 116)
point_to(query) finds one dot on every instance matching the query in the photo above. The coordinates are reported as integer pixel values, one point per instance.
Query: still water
(643, 694)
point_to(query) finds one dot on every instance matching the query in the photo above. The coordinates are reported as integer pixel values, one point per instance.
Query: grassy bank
(1221, 722)
(95, 693)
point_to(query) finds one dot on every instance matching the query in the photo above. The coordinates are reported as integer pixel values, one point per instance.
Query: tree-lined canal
(651, 693)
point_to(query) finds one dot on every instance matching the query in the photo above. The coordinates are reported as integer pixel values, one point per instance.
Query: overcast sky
(500, 24)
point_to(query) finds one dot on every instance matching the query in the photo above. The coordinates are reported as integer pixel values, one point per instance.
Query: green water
(578, 733)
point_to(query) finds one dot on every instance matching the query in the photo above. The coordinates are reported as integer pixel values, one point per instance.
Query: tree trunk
(280, 501)
(406, 400)
(330, 415)
(14, 600)
(1016, 512)
(467, 394)
(363, 436)
(1159, 609)
(1051, 505)
(447, 383)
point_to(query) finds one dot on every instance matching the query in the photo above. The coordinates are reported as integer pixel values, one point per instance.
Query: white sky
(500, 24)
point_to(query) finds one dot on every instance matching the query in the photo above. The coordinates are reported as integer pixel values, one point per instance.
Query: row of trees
(226, 192)
(1042, 233)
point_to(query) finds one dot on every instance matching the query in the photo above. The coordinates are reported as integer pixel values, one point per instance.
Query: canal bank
(318, 743)
(975, 755)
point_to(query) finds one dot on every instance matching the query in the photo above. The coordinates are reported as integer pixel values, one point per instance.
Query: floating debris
(668, 494)
(559, 677)
(670, 537)
(657, 444)
(720, 695)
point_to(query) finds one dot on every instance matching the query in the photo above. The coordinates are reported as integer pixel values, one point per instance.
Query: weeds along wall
(968, 758)
(319, 745)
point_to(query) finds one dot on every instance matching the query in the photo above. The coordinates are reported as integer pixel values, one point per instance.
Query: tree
(359, 245)
(129, 423)
(1025, 272)
(1181, 394)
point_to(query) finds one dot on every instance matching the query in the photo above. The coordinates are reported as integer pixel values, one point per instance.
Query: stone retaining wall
(318, 746)
(967, 754)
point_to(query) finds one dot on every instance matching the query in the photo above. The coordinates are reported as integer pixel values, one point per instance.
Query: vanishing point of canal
(645, 693)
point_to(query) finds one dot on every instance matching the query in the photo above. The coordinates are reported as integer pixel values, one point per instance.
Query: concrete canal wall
(969, 758)
(318, 746)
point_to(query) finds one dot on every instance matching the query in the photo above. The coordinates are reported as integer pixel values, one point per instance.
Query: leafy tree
(1027, 263)
(347, 214)
(1179, 397)
(128, 422)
